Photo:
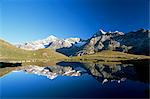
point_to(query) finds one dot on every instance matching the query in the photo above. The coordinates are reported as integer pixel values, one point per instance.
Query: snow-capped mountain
(102, 32)
(133, 42)
(51, 42)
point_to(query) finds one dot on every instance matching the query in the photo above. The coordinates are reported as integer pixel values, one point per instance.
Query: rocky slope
(137, 42)
(133, 42)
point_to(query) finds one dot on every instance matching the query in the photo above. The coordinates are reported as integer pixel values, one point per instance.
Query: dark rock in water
(4, 64)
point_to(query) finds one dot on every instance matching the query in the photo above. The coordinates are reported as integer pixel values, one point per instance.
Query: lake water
(22, 85)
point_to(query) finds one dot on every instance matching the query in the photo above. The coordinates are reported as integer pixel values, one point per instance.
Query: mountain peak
(50, 42)
(52, 37)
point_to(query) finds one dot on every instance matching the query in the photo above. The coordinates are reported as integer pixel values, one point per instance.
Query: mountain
(133, 42)
(138, 40)
(51, 42)
(10, 52)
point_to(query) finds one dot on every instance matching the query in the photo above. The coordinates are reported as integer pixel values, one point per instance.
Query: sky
(29, 20)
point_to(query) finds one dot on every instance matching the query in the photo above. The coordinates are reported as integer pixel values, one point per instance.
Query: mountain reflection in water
(50, 72)
(96, 80)
(137, 70)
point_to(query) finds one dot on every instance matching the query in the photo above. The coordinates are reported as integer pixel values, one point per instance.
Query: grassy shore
(108, 56)
(9, 52)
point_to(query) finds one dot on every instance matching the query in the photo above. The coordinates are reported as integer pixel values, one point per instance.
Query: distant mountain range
(136, 42)
(51, 42)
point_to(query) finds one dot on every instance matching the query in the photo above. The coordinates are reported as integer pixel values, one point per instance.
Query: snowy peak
(52, 37)
(50, 42)
(101, 31)
(73, 40)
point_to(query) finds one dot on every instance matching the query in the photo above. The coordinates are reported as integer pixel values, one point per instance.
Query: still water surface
(19, 85)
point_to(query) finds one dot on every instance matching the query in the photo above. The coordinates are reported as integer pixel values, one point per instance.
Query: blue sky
(29, 20)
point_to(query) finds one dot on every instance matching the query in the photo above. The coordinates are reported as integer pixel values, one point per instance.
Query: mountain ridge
(133, 42)
(101, 40)
(51, 42)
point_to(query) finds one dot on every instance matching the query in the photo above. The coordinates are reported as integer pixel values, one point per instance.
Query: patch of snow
(103, 32)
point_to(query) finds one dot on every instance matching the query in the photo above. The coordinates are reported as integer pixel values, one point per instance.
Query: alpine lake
(128, 79)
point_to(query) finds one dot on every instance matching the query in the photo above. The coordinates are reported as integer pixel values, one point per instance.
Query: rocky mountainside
(51, 42)
(133, 42)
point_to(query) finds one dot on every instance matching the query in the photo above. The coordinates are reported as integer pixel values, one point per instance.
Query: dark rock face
(68, 51)
(132, 42)
(139, 41)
